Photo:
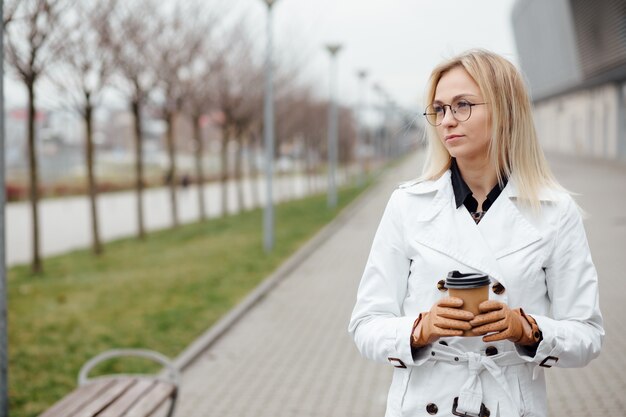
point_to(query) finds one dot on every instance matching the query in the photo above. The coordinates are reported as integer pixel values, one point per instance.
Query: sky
(397, 42)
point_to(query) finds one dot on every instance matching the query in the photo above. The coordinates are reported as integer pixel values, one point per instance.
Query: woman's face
(467, 140)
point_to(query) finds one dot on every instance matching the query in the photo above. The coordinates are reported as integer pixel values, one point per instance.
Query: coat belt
(471, 395)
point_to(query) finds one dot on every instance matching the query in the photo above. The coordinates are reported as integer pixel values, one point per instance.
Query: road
(65, 223)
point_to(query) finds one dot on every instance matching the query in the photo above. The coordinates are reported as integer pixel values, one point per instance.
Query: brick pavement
(600, 388)
(291, 355)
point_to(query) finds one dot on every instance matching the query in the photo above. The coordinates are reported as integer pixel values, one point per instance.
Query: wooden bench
(120, 395)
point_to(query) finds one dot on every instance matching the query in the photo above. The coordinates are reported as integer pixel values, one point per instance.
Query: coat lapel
(505, 215)
(452, 231)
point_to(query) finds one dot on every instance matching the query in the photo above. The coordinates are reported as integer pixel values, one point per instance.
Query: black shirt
(463, 194)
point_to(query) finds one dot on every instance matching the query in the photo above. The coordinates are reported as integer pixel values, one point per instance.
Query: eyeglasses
(461, 111)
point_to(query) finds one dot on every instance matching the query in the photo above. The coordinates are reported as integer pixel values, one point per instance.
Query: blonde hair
(514, 147)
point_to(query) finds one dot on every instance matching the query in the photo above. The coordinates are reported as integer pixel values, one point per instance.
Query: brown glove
(508, 324)
(445, 318)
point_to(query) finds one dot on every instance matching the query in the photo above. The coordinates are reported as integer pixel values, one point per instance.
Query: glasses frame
(426, 114)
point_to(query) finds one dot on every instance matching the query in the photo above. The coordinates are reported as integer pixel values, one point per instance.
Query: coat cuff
(404, 354)
(548, 351)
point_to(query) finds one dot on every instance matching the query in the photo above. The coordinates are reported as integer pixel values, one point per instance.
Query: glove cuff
(530, 335)
(418, 338)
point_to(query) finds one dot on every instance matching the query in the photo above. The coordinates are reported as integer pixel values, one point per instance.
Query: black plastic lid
(456, 279)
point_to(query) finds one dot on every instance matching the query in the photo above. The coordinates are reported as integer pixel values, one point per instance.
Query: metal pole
(332, 127)
(360, 129)
(4, 356)
(382, 136)
(268, 128)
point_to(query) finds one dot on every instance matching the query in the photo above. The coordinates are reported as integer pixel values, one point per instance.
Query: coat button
(432, 409)
(441, 285)
(498, 288)
(443, 342)
(491, 350)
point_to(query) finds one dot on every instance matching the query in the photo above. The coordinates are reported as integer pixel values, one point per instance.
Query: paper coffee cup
(472, 288)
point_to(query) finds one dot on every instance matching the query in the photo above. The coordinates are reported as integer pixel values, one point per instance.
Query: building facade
(573, 53)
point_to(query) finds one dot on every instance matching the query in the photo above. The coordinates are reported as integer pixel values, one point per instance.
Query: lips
(450, 137)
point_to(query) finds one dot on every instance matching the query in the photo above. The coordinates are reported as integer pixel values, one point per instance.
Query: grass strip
(158, 294)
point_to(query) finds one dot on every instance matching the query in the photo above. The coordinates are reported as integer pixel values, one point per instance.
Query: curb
(221, 327)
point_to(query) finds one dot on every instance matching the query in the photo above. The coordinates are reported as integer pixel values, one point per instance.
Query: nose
(448, 118)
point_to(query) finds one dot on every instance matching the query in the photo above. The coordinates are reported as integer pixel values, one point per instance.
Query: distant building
(573, 53)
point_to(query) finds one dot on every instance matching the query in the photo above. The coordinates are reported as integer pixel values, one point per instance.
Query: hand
(445, 318)
(507, 324)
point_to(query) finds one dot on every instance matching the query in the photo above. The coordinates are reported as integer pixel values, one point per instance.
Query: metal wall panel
(601, 37)
(546, 44)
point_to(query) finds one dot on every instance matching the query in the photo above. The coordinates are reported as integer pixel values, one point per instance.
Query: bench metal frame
(170, 374)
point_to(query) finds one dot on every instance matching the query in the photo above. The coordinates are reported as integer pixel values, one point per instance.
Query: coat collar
(418, 187)
(451, 230)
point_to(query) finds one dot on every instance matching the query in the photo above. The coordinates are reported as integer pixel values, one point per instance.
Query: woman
(486, 203)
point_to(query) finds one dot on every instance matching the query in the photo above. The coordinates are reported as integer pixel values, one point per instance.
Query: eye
(463, 105)
(437, 108)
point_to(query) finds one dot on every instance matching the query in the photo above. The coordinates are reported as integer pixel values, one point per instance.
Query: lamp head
(333, 48)
(269, 3)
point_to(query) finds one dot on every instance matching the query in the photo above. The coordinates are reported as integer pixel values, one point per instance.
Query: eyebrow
(458, 96)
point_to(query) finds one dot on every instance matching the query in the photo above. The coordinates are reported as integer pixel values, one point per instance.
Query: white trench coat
(539, 262)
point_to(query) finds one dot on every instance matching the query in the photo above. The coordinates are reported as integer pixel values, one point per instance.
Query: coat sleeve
(378, 326)
(572, 335)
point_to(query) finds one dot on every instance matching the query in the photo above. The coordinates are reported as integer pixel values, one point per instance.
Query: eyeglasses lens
(435, 113)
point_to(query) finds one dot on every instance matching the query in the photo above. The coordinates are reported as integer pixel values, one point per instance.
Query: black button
(443, 342)
(432, 409)
(432, 353)
(491, 350)
(441, 285)
(498, 288)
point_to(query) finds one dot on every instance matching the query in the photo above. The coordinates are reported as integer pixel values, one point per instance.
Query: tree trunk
(224, 170)
(199, 174)
(37, 266)
(91, 183)
(253, 173)
(172, 169)
(308, 162)
(239, 172)
(136, 109)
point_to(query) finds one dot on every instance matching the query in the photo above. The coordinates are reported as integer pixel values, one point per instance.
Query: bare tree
(129, 34)
(86, 68)
(254, 148)
(33, 40)
(179, 42)
(231, 79)
(245, 116)
(198, 105)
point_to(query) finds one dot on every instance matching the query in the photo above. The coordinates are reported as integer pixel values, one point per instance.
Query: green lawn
(158, 294)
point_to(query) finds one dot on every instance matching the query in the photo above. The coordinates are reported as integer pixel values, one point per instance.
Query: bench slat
(105, 398)
(129, 398)
(81, 395)
(148, 403)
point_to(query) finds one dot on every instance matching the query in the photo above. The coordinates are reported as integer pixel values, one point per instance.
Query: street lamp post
(360, 137)
(382, 137)
(268, 130)
(333, 49)
(4, 357)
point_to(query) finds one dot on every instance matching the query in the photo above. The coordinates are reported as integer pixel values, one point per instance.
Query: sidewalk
(290, 355)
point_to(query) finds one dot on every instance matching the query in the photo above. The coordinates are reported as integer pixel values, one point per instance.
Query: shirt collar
(462, 191)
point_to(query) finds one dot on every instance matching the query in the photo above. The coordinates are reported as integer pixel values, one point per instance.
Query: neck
(479, 175)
